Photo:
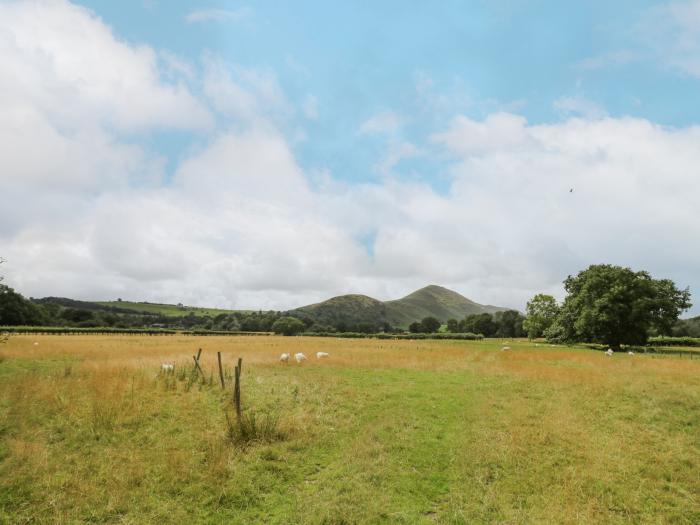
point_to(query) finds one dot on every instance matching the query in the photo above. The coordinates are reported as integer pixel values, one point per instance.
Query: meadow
(383, 431)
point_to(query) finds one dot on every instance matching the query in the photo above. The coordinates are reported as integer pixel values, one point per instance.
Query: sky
(273, 154)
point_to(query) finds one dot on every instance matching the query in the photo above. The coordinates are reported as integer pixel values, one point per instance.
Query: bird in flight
(571, 190)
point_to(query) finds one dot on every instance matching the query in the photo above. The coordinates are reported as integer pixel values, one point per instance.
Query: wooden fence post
(237, 391)
(221, 371)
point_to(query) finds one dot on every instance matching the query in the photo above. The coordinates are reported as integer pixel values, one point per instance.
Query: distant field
(381, 432)
(166, 309)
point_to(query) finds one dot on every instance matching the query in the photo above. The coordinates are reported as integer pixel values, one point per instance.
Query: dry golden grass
(382, 431)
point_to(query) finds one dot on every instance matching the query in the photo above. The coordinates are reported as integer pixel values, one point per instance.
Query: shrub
(253, 427)
(674, 341)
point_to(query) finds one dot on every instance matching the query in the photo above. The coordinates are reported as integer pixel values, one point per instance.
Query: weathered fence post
(221, 371)
(237, 390)
(198, 368)
(196, 364)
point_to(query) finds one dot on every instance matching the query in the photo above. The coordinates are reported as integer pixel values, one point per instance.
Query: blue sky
(358, 59)
(267, 154)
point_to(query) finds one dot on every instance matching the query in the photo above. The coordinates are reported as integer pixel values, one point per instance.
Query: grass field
(381, 432)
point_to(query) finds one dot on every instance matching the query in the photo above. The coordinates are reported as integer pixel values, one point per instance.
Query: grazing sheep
(36, 344)
(299, 357)
(505, 348)
(609, 352)
(167, 367)
(321, 355)
(284, 358)
(630, 352)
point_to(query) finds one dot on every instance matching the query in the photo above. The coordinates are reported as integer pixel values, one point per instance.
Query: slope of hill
(170, 310)
(432, 300)
(350, 309)
(128, 307)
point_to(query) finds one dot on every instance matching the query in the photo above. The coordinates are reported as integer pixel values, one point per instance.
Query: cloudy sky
(271, 154)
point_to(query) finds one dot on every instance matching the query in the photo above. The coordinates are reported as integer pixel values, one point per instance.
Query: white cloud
(679, 23)
(61, 60)
(579, 106)
(310, 107)
(498, 131)
(667, 35)
(218, 15)
(87, 215)
(387, 122)
(396, 153)
(606, 60)
(246, 95)
(241, 226)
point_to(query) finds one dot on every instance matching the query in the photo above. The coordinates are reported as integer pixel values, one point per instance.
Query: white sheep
(506, 348)
(167, 367)
(299, 357)
(36, 343)
(609, 352)
(321, 355)
(630, 352)
(284, 358)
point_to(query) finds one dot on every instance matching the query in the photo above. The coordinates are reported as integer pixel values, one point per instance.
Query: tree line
(604, 304)
(610, 305)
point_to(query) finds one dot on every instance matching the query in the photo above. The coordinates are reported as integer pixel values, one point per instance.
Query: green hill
(170, 310)
(348, 309)
(432, 300)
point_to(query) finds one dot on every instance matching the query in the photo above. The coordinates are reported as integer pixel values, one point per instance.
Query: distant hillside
(128, 307)
(348, 309)
(171, 310)
(432, 300)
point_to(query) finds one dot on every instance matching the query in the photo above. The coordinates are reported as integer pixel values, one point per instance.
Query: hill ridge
(431, 300)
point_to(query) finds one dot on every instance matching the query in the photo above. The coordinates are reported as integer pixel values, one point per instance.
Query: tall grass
(91, 430)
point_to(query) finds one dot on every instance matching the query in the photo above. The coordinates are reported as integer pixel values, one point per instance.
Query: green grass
(170, 310)
(382, 432)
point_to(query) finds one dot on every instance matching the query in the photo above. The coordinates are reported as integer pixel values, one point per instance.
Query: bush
(357, 335)
(674, 341)
(254, 428)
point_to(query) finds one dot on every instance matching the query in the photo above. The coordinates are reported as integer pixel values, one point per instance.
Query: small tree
(509, 323)
(415, 327)
(288, 326)
(541, 311)
(453, 325)
(615, 306)
(430, 325)
(480, 324)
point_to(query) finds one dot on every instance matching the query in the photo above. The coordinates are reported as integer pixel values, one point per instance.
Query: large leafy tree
(541, 311)
(480, 324)
(429, 325)
(615, 306)
(509, 323)
(288, 326)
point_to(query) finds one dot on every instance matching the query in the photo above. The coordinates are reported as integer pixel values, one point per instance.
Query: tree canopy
(541, 311)
(288, 326)
(613, 305)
